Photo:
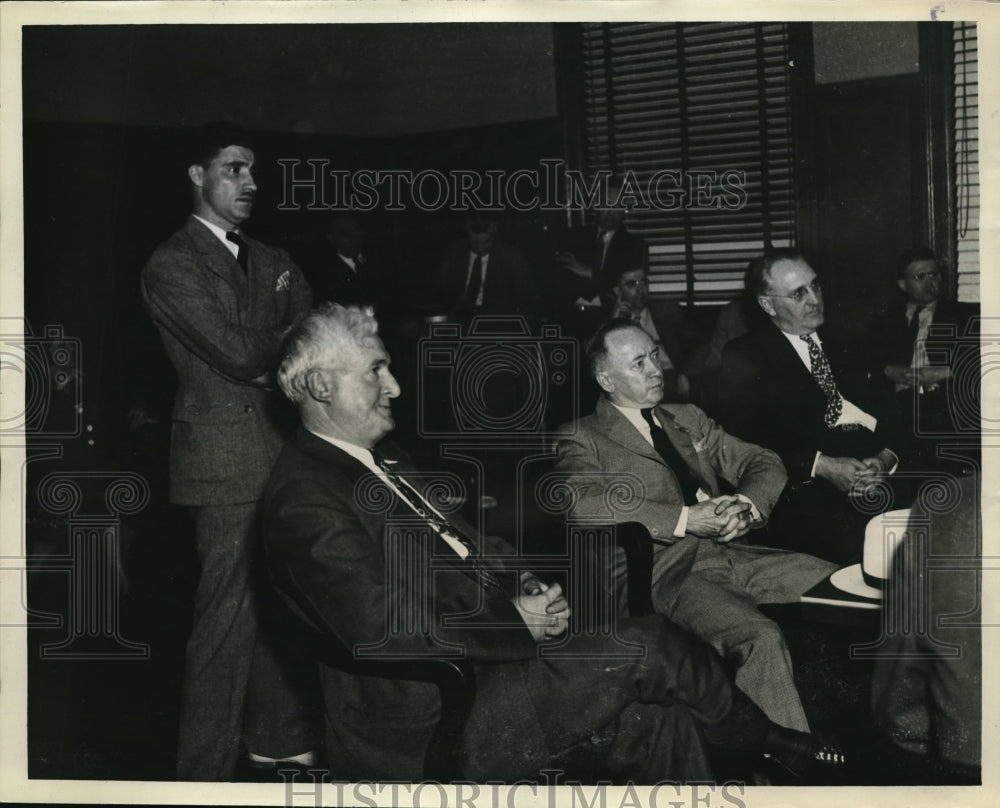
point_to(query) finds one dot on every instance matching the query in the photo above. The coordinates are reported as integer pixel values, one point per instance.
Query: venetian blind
(709, 103)
(967, 159)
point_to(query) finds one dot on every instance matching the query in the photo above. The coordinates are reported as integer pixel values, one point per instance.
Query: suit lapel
(218, 260)
(696, 461)
(618, 428)
(354, 471)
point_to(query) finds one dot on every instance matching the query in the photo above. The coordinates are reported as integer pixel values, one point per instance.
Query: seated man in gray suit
(339, 500)
(673, 461)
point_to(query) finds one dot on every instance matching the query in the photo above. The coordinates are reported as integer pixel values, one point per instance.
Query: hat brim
(850, 580)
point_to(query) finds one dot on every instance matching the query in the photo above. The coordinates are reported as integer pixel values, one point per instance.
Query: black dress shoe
(810, 760)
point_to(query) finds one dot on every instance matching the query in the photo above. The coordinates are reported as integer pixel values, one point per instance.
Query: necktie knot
(242, 254)
(686, 480)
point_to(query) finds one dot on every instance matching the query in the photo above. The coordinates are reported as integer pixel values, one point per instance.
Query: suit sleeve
(608, 496)
(752, 470)
(752, 408)
(181, 299)
(322, 557)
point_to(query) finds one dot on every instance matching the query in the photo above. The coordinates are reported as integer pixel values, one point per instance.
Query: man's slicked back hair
(211, 138)
(916, 254)
(597, 345)
(759, 272)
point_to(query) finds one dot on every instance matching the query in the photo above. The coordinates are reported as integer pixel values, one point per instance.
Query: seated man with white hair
(329, 510)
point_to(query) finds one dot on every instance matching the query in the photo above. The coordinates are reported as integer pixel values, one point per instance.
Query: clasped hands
(720, 518)
(851, 475)
(928, 377)
(543, 608)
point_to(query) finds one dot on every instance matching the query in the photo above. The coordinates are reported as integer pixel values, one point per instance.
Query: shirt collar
(359, 453)
(216, 230)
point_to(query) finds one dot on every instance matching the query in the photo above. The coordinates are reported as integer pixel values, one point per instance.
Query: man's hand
(546, 614)
(720, 518)
(932, 376)
(840, 472)
(900, 374)
(566, 260)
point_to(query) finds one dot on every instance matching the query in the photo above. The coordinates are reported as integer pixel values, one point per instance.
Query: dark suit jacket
(325, 522)
(221, 329)
(769, 397)
(509, 288)
(333, 279)
(889, 339)
(625, 251)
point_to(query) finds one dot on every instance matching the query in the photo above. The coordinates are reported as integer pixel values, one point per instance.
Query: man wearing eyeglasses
(916, 343)
(794, 389)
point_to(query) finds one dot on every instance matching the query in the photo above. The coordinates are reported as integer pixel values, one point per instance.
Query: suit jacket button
(248, 408)
(655, 531)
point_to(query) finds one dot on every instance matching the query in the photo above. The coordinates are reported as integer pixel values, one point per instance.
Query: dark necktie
(242, 253)
(474, 285)
(823, 375)
(914, 326)
(487, 578)
(664, 448)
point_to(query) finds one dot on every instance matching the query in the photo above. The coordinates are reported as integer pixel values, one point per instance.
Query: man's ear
(604, 381)
(318, 385)
(766, 304)
(196, 174)
(901, 285)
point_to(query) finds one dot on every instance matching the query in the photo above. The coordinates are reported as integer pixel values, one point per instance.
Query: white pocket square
(284, 281)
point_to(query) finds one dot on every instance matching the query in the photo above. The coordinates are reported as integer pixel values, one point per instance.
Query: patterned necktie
(689, 484)
(487, 578)
(824, 378)
(242, 253)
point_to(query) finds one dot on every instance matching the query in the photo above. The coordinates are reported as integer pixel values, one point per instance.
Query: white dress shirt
(634, 416)
(364, 456)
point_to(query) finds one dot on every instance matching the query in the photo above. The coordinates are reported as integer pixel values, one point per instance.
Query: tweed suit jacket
(617, 476)
(221, 329)
(324, 523)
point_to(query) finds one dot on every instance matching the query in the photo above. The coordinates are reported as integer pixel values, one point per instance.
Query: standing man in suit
(329, 510)
(789, 388)
(481, 274)
(220, 301)
(919, 363)
(697, 490)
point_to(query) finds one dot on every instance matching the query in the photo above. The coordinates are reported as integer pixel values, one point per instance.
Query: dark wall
(351, 79)
(98, 199)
